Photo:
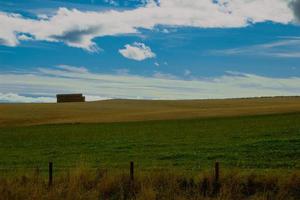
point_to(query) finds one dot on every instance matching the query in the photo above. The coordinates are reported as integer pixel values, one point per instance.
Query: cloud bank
(16, 98)
(137, 51)
(44, 83)
(78, 28)
(295, 6)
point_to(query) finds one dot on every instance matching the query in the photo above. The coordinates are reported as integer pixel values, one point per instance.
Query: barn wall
(61, 98)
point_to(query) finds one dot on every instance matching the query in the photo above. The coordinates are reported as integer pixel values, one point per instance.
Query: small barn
(64, 98)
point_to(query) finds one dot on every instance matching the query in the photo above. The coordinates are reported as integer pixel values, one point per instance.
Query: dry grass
(141, 110)
(84, 184)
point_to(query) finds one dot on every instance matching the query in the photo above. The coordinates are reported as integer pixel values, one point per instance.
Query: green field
(252, 142)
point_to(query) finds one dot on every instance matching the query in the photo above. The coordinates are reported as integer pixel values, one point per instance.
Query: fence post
(50, 183)
(37, 171)
(216, 184)
(204, 187)
(217, 171)
(132, 171)
(131, 181)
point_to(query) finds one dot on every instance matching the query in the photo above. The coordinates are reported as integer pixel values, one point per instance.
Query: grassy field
(248, 142)
(173, 144)
(141, 110)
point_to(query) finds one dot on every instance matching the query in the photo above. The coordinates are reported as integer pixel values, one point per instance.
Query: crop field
(141, 110)
(249, 142)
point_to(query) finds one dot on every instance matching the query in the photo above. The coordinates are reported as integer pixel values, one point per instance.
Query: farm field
(265, 142)
(141, 110)
(173, 144)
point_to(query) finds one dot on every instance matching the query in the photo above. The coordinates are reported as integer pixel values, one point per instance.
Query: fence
(204, 186)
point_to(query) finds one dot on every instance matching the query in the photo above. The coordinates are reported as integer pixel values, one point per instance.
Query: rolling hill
(141, 110)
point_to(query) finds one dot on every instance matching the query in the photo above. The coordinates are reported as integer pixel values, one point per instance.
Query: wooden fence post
(37, 171)
(131, 181)
(216, 184)
(217, 172)
(204, 187)
(50, 183)
(131, 171)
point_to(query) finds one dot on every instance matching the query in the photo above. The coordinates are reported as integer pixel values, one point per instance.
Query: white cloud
(24, 37)
(94, 98)
(137, 51)
(78, 28)
(165, 31)
(187, 72)
(288, 48)
(122, 71)
(112, 2)
(156, 64)
(47, 82)
(43, 16)
(75, 69)
(161, 75)
(16, 98)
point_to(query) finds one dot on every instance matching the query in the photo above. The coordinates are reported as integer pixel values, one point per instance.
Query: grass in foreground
(84, 184)
(253, 142)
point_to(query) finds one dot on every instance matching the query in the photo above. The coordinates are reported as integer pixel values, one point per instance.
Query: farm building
(63, 98)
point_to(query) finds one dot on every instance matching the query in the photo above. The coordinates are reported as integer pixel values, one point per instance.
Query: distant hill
(141, 110)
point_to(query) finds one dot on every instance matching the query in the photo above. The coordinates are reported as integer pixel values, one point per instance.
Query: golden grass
(141, 110)
(82, 183)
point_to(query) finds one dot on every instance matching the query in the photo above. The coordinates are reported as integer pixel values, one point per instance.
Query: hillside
(141, 110)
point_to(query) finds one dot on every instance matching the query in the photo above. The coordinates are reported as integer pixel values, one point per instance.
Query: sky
(147, 49)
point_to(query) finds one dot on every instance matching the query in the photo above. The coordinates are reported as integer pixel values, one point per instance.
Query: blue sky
(168, 49)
